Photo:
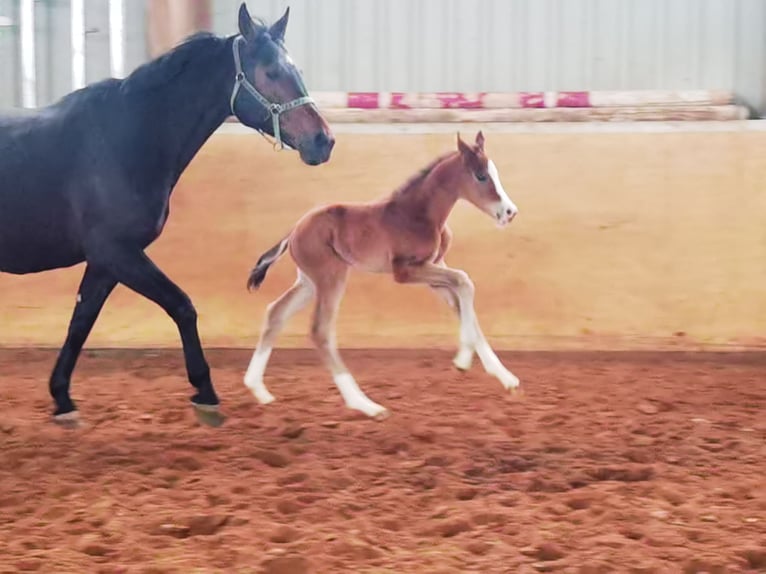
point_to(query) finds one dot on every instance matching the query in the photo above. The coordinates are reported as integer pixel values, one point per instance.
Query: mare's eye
(272, 75)
(481, 177)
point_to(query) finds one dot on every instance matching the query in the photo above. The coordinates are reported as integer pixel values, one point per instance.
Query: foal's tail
(258, 274)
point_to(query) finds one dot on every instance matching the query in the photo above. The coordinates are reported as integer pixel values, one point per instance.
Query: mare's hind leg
(329, 294)
(277, 314)
(95, 287)
(132, 268)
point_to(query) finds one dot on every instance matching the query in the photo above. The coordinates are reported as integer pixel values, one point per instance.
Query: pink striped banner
(518, 100)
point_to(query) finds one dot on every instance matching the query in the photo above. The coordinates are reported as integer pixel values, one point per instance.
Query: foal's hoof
(209, 415)
(382, 415)
(463, 360)
(70, 420)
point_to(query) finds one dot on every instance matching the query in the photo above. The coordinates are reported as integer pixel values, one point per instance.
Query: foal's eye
(481, 177)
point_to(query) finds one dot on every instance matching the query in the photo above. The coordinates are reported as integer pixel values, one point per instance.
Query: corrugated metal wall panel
(9, 60)
(460, 45)
(59, 45)
(97, 66)
(136, 48)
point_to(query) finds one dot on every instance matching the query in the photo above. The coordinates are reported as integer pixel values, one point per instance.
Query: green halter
(273, 108)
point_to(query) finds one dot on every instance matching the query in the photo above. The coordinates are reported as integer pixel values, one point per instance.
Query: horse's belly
(38, 252)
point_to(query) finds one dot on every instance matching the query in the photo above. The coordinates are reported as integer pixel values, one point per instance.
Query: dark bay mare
(89, 178)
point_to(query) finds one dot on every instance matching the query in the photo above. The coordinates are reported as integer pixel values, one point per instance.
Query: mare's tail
(258, 274)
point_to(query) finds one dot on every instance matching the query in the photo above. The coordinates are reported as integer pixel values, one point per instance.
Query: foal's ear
(246, 24)
(463, 147)
(480, 140)
(277, 30)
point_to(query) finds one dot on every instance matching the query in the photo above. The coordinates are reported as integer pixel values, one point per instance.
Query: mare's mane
(168, 66)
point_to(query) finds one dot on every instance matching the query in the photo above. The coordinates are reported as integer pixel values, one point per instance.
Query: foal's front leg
(471, 336)
(464, 356)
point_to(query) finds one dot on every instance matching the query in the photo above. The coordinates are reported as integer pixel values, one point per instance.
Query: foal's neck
(433, 197)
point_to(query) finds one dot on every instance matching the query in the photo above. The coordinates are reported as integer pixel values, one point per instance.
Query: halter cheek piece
(275, 109)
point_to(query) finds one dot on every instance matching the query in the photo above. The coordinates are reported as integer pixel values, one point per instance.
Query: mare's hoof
(516, 392)
(209, 415)
(70, 420)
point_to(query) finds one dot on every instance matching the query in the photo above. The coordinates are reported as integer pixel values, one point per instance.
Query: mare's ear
(246, 25)
(480, 141)
(277, 30)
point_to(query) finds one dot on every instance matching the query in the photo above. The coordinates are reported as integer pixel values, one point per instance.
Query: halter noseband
(274, 109)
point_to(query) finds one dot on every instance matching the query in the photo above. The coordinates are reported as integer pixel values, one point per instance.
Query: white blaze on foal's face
(485, 190)
(504, 209)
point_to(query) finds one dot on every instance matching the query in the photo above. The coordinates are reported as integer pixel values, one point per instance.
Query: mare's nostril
(321, 140)
(508, 211)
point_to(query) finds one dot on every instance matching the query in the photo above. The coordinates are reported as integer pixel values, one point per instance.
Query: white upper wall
(451, 45)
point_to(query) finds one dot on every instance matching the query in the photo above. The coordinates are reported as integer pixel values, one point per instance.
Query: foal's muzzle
(505, 212)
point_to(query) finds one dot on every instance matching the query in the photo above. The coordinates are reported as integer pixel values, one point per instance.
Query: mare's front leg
(96, 285)
(130, 266)
(461, 286)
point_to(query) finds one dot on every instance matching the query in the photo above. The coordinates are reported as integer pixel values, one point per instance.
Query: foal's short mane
(418, 178)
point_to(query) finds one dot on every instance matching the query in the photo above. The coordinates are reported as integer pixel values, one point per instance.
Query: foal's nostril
(508, 211)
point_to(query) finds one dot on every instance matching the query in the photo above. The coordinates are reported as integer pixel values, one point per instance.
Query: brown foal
(404, 234)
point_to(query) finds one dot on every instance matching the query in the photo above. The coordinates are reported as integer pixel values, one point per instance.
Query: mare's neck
(191, 100)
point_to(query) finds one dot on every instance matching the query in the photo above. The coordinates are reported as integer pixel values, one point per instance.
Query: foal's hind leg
(277, 314)
(95, 287)
(329, 295)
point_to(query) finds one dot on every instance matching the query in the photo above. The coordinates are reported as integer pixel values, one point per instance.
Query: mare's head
(269, 94)
(479, 182)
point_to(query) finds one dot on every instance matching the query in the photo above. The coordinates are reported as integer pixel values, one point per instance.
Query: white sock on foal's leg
(464, 356)
(277, 313)
(254, 375)
(472, 337)
(355, 398)
(494, 367)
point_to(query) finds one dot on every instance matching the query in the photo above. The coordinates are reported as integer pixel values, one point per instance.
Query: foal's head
(480, 184)
(281, 103)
